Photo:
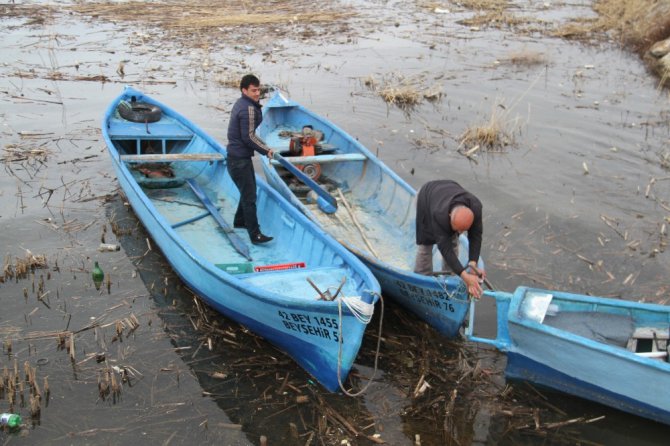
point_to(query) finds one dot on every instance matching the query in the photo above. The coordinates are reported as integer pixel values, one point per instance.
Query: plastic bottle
(11, 420)
(109, 247)
(98, 276)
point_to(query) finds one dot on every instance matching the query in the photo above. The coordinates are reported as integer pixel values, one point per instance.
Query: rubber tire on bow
(140, 112)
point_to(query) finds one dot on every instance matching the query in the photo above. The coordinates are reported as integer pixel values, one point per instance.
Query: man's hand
(475, 269)
(271, 154)
(472, 282)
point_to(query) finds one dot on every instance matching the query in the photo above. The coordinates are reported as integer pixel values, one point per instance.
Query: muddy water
(577, 201)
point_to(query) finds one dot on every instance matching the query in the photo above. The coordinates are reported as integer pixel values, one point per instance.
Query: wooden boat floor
(206, 237)
(389, 242)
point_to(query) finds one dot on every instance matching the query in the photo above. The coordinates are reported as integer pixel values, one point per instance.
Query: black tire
(312, 170)
(139, 112)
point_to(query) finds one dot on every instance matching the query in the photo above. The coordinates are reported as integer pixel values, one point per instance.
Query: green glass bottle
(11, 420)
(98, 276)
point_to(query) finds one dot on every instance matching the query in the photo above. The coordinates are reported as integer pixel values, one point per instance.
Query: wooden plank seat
(650, 342)
(169, 157)
(320, 148)
(166, 128)
(323, 159)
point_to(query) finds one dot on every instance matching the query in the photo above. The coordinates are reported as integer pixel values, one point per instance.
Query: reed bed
(19, 268)
(637, 23)
(633, 24)
(203, 14)
(525, 58)
(403, 92)
(496, 135)
(213, 21)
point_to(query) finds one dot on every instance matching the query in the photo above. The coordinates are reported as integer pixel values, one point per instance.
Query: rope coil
(362, 311)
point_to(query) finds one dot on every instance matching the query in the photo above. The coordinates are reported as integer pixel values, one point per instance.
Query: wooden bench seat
(323, 159)
(169, 157)
(166, 128)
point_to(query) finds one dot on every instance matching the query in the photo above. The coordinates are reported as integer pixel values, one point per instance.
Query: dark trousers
(241, 171)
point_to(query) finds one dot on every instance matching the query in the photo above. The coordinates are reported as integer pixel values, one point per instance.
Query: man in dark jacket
(242, 143)
(443, 211)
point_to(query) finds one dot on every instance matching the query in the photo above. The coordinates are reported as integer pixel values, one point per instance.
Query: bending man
(443, 211)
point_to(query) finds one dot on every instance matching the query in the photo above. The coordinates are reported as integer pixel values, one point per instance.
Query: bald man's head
(461, 218)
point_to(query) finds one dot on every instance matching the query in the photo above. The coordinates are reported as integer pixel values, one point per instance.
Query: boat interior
(187, 183)
(377, 213)
(644, 332)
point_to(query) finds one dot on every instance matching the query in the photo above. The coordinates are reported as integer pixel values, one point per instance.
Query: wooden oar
(235, 240)
(355, 221)
(326, 202)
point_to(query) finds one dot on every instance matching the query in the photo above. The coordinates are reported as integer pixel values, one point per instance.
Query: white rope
(361, 310)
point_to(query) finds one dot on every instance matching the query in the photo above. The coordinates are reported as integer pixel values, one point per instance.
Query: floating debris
(22, 266)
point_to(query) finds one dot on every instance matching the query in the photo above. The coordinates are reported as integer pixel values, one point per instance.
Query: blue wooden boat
(611, 351)
(376, 208)
(302, 292)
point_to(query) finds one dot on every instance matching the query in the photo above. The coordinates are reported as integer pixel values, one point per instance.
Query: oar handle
(327, 203)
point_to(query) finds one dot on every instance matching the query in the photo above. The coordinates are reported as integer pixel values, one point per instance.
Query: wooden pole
(358, 226)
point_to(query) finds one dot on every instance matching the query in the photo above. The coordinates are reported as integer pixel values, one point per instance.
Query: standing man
(443, 211)
(242, 143)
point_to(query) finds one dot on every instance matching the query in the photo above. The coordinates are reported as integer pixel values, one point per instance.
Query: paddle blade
(325, 206)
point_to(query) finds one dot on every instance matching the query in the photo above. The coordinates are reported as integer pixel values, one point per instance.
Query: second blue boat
(376, 208)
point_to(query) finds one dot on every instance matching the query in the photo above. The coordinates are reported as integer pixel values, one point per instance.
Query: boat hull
(437, 301)
(279, 305)
(521, 367)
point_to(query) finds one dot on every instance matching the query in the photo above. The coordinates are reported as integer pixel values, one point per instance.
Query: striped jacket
(244, 118)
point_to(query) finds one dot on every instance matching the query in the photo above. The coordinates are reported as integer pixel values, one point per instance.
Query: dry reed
(405, 93)
(404, 96)
(192, 19)
(495, 19)
(22, 266)
(493, 136)
(526, 58)
(638, 24)
(484, 5)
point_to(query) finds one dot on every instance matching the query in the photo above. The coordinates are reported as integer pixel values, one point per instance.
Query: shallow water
(548, 222)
